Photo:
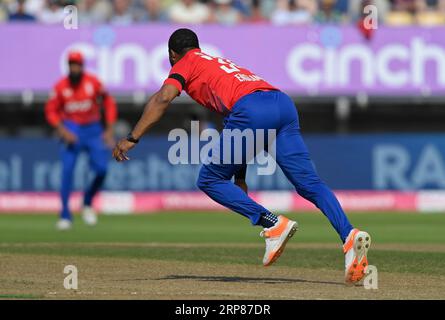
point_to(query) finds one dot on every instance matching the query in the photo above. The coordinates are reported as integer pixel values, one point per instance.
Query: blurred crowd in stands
(225, 12)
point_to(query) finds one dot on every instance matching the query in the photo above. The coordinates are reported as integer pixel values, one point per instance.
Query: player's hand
(242, 184)
(67, 136)
(121, 149)
(108, 137)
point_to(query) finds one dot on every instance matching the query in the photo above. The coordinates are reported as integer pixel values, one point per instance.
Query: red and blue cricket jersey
(213, 82)
(81, 103)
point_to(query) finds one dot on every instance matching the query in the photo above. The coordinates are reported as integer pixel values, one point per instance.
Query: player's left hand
(108, 137)
(121, 149)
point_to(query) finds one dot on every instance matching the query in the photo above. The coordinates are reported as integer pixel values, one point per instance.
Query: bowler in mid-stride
(74, 110)
(248, 103)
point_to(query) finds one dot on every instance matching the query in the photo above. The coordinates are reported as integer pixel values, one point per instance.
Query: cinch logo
(393, 65)
(128, 64)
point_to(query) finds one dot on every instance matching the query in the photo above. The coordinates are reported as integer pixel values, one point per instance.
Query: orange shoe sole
(356, 270)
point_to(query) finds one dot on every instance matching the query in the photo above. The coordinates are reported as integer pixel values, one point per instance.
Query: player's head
(181, 41)
(75, 65)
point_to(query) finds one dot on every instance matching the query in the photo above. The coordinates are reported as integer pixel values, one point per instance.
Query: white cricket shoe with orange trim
(89, 216)
(64, 225)
(276, 238)
(356, 249)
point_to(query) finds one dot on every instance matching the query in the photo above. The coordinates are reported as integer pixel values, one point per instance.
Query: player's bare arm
(110, 114)
(52, 112)
(108, 135)
(153, 112)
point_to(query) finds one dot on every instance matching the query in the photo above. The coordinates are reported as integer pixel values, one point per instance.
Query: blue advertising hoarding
(345, 162)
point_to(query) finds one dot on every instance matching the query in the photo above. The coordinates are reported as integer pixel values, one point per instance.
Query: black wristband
(131, 138)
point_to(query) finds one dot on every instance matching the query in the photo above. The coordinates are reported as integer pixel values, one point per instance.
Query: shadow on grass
(239, 279)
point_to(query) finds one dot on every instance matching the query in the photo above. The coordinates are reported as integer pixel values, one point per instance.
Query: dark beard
(75, 78)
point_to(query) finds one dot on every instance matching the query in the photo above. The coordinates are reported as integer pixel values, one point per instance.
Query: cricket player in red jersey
(248, 103)
(74, 110)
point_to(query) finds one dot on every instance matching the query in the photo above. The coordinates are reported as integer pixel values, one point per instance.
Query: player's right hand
(67, 136)
(121, 149)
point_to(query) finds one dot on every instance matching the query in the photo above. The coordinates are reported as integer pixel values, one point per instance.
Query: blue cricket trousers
(89, 140)
(272, 110)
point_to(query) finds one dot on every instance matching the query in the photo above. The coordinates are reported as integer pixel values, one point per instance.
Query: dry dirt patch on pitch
(42, 276)
(428, 247)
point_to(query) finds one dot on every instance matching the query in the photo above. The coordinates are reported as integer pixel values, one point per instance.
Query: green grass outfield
(229, 238)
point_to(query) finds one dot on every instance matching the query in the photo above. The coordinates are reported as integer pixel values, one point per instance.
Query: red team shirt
(80, 104)
(213, 82)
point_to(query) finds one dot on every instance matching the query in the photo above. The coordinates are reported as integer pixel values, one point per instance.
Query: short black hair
(182, 40)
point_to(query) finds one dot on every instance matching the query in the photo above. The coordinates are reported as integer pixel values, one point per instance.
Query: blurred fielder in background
(74, 110)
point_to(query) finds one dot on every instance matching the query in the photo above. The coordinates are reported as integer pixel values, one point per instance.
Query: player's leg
(98, 155)
(98, 162)
(69, 155)
(215, 180)
(293, 158)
